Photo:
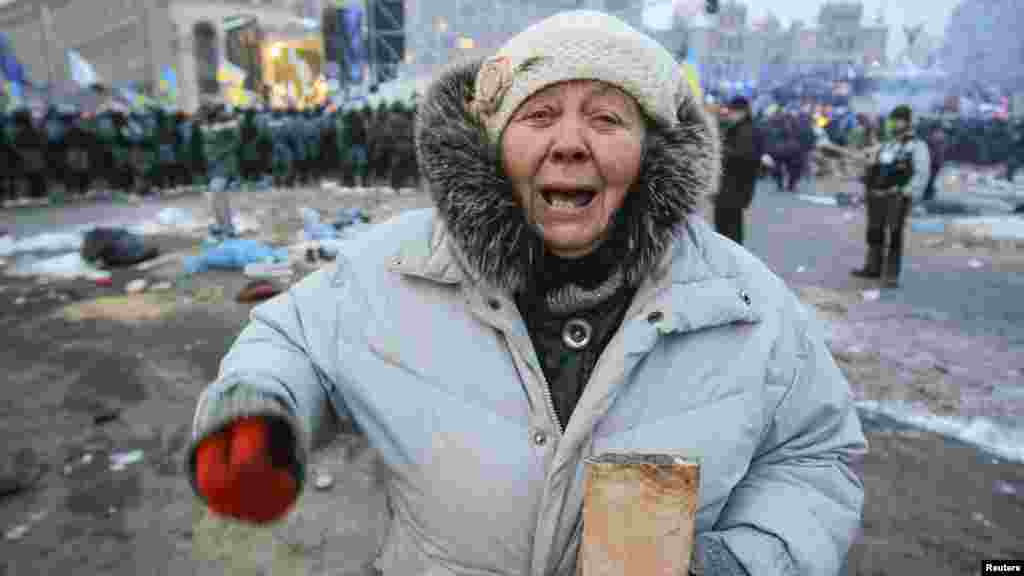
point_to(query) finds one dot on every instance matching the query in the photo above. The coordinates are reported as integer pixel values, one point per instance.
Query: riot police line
(69, 155)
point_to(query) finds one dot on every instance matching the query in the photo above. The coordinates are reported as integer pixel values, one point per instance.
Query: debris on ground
(207, 295)
(323, 481)
(979, 517)
(48, 242)
(67, 267)
(127, 309)
(136, 286)
(234, 254)
(1005, 488)
(975, 263)
(162, 286)
(871, 295)
(106, 417)
(121, 460)
(257, 291)
(17, 532)
(116, 247)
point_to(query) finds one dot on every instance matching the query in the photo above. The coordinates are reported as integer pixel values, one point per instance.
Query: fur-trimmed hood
(489, 227)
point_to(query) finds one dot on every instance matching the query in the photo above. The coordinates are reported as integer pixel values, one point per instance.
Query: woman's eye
(607, 119)
(542, 114)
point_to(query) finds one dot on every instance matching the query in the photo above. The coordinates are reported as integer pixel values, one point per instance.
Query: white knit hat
(579, 45)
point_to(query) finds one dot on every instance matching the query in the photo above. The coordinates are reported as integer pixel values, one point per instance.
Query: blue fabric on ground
(234, 254)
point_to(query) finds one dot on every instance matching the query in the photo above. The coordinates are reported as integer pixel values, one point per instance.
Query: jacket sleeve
(922, 169)
(274, 357)
(798, 508)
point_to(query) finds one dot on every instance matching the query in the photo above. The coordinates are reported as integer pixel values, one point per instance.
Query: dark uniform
(887, 207)
(739, 174)
(198, 169)
(30, 147)
(77, 175)
(8, 159)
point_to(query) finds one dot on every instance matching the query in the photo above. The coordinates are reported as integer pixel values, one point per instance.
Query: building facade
(731, 47)
(135, 42)
(438, 32)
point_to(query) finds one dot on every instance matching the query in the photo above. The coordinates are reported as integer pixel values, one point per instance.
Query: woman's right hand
(246, 471)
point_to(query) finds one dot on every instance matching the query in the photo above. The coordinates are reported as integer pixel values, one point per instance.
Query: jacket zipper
(551, 405)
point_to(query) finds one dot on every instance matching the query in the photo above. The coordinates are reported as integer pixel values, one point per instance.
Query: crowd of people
(143, 151)
(790, 137)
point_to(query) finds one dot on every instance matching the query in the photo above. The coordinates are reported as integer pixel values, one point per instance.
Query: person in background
(897, 178)
(937, 150)
(77, 176)
(30, 146)
(1016, 149)
(358, 146)
(742, 162)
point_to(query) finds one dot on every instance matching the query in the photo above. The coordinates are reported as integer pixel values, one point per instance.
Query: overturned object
(639, 513)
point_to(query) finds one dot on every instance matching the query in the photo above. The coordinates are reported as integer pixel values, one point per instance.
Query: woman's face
(572, 151)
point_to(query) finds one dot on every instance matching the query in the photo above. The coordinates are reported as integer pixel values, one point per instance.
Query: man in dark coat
(739, 173)
(937, 148)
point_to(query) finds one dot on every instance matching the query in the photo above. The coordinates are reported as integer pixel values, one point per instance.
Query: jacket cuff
(711, 557)
(215, 412)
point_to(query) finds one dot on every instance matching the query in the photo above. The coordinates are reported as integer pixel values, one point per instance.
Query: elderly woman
(562, 300)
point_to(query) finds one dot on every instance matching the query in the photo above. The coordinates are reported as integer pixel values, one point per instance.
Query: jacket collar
(690, 289)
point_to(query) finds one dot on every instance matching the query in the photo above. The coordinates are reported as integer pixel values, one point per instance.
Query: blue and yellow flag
(231, 74)
(691, 71)
(169, 85)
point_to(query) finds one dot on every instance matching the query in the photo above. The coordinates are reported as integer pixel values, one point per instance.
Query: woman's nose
(569, 145)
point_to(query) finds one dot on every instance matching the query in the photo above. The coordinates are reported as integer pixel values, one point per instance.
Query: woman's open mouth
(566, 198)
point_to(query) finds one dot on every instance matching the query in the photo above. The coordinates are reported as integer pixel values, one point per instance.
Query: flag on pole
(169, 85)
(10, 68)
(691, 71)
(82, 73)
(15, 97)
(229, 73)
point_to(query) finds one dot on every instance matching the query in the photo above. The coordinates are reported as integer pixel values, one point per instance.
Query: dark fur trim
(486, 222)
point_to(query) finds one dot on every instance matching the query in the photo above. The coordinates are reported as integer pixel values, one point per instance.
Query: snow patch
(997, 439)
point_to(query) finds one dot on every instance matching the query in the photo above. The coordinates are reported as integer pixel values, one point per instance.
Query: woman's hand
(246, 471)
